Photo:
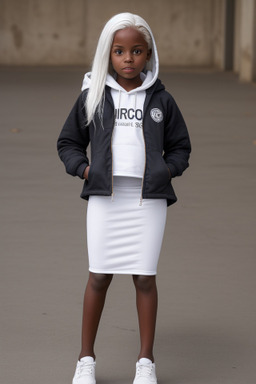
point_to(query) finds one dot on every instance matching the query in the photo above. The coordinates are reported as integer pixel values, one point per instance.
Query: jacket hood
(149, 76)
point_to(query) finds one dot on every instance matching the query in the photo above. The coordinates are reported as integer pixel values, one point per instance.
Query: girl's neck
(129, 85)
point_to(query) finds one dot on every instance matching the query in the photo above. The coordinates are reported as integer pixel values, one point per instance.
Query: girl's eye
(137, 51)
(118, 52)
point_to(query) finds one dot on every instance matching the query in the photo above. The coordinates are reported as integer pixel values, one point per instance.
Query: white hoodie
(128, 141)
(128, 146)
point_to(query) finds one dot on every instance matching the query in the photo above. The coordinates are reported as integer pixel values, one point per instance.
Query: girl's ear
(149, 54)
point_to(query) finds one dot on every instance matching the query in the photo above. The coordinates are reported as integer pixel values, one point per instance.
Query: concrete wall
(247, 50)
(218, 31)
(188, 32)
(42, 32)
(66, 32)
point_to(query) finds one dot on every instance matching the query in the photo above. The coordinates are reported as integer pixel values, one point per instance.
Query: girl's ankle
(84, 354)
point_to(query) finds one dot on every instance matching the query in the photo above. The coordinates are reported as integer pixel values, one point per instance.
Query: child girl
(139, 142)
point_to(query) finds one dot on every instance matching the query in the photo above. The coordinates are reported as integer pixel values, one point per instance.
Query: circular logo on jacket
(156, 114)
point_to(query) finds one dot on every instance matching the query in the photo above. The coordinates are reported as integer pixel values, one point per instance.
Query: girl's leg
(94, 300)
(146, 299)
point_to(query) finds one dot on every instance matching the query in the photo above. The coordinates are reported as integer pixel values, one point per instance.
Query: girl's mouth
(128, 69)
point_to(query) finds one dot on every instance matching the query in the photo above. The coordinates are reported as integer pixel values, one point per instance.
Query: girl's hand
(86, 172)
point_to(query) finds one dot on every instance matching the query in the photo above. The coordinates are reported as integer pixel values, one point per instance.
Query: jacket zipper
(112, 173)
(142, 182)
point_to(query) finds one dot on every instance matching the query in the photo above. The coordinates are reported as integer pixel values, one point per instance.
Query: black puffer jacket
(167, 145)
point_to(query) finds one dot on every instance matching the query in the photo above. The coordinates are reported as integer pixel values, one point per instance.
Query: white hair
(100, 68)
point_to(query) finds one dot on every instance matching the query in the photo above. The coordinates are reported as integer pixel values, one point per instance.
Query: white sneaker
(145, 372)
(85, 371)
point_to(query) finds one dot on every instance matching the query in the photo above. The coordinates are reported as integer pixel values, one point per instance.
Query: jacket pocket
(158, 174)
(163, 171)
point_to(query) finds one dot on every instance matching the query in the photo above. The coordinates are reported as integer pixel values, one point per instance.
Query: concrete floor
(206, 331)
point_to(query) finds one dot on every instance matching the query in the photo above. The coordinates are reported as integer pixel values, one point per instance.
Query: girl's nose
(128, 58)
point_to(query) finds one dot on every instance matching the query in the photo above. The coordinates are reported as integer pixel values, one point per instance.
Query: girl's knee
(144, 283)
(100, 281)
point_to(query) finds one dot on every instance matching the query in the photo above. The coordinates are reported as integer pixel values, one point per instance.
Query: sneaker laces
(84, 368)
(144, 370)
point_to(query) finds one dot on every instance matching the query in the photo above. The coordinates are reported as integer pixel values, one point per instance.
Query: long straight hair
(101, 63)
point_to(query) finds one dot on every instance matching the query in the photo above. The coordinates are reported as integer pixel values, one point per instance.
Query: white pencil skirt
(124, 237)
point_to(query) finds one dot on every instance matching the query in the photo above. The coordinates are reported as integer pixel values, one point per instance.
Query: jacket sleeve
(74, 139)
(177, 146)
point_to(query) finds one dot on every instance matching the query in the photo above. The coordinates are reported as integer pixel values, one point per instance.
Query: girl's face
(129, 55)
